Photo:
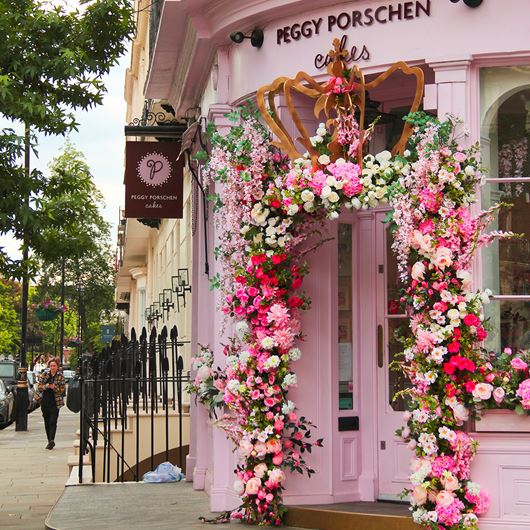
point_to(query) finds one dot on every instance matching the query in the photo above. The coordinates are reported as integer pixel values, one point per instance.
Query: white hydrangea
(289, 380)
(272, 362)
(267, 343)
(244, 357)
(231, 361)
(233, 385)
(242, 330)
(295, 354)
(288, 407)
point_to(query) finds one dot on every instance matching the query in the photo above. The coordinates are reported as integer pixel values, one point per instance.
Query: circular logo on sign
(154, 169)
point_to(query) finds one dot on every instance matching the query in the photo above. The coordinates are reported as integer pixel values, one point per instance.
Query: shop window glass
(344, 243)
(505, 141)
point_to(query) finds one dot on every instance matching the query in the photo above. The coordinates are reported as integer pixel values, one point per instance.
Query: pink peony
(524, 392)
(253, 486)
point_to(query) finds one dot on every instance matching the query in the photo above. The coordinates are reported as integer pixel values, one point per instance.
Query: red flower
(453, 347)
(449, 368)
(295, 301)
(471, 320)
(258, 259)
(470, 386)
(481, 333)
(275, 203)
(297, 282)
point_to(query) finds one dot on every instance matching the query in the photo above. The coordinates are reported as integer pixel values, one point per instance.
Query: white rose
(330, 181)
(333, 215)
(308, 206)
(356, 203)
(383, 156)
(292, 209)
(453, 314)
(460, 412)
(470, 170)
(482, 391)
(333, 197)
(340, 161)
(326, 190)
(324, 160)
(307, 196)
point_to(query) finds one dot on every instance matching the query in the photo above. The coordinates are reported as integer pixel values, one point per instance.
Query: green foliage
(9, 318)
(77, 234)
(52, 63)
(53, 59)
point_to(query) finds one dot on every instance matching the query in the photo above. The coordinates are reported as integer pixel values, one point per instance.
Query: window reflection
(345, 316)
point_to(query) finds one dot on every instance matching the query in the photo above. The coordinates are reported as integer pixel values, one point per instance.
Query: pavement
(133, 506)
(32, 478)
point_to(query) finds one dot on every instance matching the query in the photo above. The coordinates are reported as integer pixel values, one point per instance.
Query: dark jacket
(60, 385)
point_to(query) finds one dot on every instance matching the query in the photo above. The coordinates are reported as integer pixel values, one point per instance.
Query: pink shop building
(476, 63)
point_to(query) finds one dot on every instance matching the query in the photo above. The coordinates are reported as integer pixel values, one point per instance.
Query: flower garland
(269, 208)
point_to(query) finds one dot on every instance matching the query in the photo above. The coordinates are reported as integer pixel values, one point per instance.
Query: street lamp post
(22, 397)
(62, 303)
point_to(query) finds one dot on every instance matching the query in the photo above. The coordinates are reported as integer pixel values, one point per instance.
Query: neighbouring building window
(141, 309)
(505, 140)
(344, 243)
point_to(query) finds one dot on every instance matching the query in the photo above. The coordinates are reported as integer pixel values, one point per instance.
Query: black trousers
(50, 413)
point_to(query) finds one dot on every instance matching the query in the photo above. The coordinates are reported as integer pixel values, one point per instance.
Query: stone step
(73, 479)
(352, 516)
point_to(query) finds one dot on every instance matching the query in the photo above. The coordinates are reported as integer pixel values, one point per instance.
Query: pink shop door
(393, 454)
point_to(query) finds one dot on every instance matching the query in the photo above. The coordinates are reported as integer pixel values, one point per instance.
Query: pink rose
(418, 271)
(260, 470)
(253, 486)
(519, 364)
(482, 391)
(277, 459)
(274, 446)
(498, 394)
(444, 498)
(261, 449)
(276, 477)
(245, 448)
(419, 495)
(450, 482)
(443, 258)
(204, 372)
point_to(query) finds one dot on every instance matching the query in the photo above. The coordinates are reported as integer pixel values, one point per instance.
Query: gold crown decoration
(326, 101)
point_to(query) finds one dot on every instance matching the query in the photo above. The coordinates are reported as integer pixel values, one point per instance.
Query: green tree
(52, 63)
(9, 317)
(77, 234)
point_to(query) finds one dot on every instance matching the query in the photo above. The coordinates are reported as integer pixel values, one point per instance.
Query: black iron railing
(139, 381)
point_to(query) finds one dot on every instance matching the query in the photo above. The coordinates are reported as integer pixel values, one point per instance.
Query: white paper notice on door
(345, 361)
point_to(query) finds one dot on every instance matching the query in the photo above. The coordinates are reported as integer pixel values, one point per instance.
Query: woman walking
(51, 388)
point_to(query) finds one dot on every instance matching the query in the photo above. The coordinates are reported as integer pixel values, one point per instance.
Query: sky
(101, 139)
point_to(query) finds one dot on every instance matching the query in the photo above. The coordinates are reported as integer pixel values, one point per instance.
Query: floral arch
(269, 205)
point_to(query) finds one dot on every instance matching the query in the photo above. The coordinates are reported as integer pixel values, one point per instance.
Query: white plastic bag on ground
(165, 472)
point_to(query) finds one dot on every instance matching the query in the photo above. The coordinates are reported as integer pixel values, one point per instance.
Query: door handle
(380, 353)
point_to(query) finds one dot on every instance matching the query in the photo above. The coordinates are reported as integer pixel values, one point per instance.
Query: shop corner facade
(345, 383)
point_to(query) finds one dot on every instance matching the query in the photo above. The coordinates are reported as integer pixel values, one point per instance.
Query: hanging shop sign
(349, 21)
(153, 180)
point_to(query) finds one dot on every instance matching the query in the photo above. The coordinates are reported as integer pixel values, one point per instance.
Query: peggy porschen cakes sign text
(349, 20)
(153, 180)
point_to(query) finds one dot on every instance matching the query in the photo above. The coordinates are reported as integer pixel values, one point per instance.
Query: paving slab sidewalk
(133, 506)
(32, 478)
